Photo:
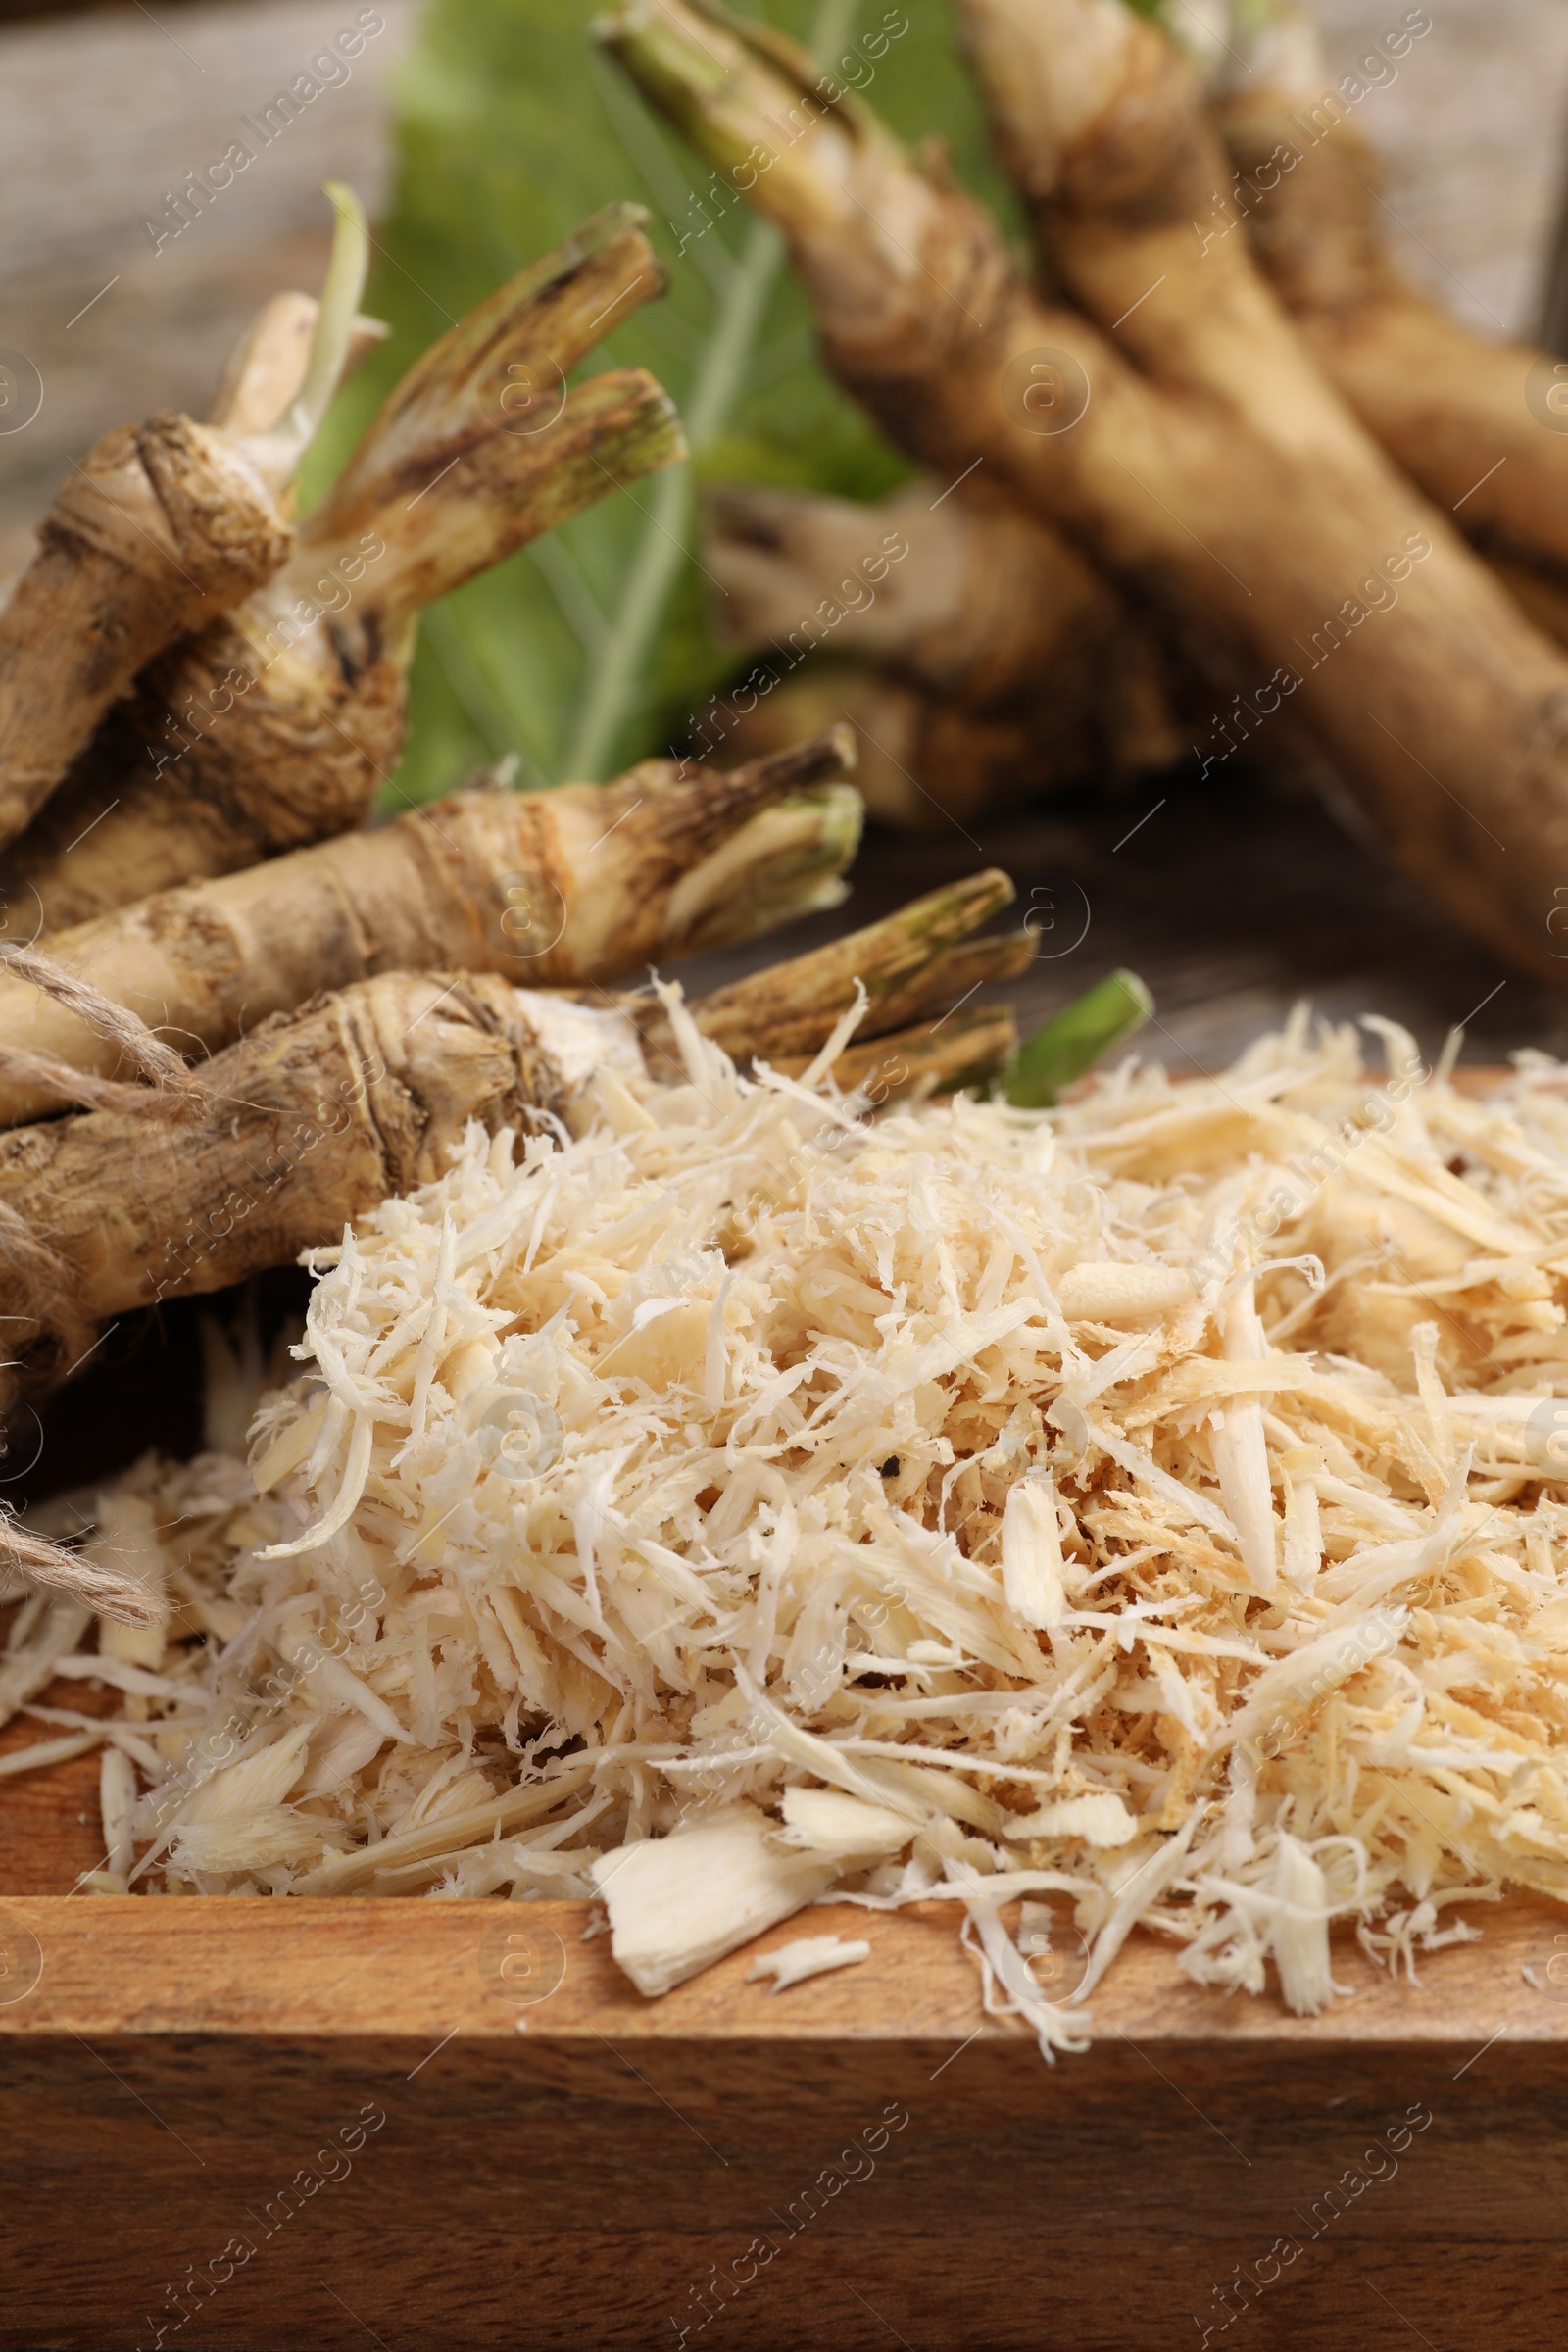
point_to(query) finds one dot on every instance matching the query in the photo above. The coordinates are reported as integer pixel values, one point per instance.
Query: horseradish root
(165, 527)
(962, 595)
(1204, 461)
(1474, 421)
(919, 760)
(973, 649)
(274, 729)
(308, 1122)
(908, 964)
(584, 884)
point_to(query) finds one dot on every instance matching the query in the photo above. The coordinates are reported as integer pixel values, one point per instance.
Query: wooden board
(333, 2123)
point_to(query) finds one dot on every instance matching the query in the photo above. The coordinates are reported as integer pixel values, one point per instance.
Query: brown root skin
(277, 727)
(310, 1121)
(1133, 205)
(1445, 403)
(987, 663)
(262, 375)
(1101, 126)
(931, 1057)
(46, 998)
(500, 373)
(586, 884)
(163, 528)
(961, 595)
(1541, 595)
(271, 755)
(1223, 476)
(677, 854)
(923, 762)
(905, 963)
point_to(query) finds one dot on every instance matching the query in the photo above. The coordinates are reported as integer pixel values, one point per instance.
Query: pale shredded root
(743, 1462)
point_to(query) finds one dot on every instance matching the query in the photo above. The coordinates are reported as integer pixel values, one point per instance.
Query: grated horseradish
(1146, 1507)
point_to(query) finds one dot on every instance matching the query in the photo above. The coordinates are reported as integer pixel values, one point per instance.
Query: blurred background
(478, 133)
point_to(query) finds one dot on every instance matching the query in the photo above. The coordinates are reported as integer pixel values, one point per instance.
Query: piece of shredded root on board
(1148, 1508)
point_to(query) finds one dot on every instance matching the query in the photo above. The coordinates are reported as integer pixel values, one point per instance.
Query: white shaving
(807, 1956)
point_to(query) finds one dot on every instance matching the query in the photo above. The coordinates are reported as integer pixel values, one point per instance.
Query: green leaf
(1073, 1040)
(593, 647)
